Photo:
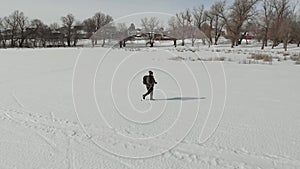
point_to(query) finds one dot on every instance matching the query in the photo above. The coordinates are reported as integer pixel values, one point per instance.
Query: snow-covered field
(72, 108)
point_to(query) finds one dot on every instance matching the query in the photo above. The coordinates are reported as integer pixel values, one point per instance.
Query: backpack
(145, 78)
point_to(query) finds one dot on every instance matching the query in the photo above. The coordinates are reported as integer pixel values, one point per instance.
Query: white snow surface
(73, 108)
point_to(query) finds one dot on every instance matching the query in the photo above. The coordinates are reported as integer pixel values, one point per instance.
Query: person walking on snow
(149, 81)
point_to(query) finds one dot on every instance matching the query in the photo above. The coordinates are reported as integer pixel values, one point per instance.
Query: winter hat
(150, 72)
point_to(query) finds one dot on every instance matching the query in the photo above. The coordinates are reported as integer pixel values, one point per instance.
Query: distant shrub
(259, 56)
(258, 59)
(285, 54)
(263, 57)
(214, 59)
(178, 58)
(280, 52)
(295, 57)
(267, 59)
(185, 49)
(220, 58)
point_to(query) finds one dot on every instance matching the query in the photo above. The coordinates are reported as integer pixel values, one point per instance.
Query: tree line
(274, 21)
(16, 30)
(265, 20)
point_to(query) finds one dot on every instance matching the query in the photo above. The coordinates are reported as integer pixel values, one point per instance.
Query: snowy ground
(81, 108)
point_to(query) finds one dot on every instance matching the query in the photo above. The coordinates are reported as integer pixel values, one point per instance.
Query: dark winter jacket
(150, 80)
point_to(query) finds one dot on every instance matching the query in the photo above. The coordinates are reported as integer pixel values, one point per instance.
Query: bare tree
(144, 24)
(36, 25)
(281, 26)
(40, 33)
(11, 24)
(239, 12)
(296, 31)
(101, 20)
(19, 31)
(150, 24)
(173, 26)
(217, 22)
(123, 32)
(23, 24)
(56, 37)
(207, 27)
(267, 16)
(1, 33)
(68, 23)
(16, 25)
(76, 29)
(199, 16)
(286, 31)
(89, 26)
(105, 33)
(196, 33)
(213, 27)
(183, 20)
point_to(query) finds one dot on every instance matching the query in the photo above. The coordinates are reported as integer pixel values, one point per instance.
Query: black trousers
(150, 89)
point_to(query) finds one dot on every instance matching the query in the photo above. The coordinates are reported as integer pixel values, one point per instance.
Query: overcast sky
(51, 11)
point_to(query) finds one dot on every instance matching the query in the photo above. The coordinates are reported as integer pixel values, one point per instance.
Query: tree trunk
(34, 43)
(203, 41)
(210, 40)
(264, 43)
(232, 43)
(103, 42)
(75, 42)
(93, 42)
(12, 44)
(285, 44)
(274, 44)
(21, 42)
(120, 44)
(69, 42)
(217, 39)
(4, 44)
(44, 44)
(237, 42)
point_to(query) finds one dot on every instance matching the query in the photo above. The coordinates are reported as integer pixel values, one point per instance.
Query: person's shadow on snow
(183, 98)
